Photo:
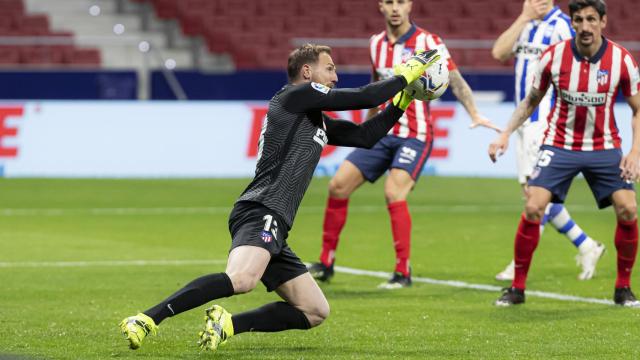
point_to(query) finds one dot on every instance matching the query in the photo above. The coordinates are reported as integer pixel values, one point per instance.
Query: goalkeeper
(293, 136)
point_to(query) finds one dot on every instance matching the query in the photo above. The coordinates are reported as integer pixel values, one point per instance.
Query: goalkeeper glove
(402, 100)
(413, 68)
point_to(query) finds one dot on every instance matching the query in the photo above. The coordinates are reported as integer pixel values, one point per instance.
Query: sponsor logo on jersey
(321, 137)
(266, 236)
(530, 51)
(578, 98)
(603, 77)
(321, 88)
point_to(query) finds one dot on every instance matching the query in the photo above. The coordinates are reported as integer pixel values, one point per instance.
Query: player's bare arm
(531, 9)
(463, 93)
(520, 115)
(630, 164)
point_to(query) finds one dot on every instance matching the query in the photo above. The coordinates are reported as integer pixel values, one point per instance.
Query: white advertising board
(206, 139)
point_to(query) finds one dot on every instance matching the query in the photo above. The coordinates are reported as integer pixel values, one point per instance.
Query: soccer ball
(432, 84)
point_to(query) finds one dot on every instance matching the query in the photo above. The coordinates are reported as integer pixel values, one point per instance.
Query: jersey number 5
(545, 158)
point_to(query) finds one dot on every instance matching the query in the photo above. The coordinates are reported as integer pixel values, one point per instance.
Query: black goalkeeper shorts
(254, 224)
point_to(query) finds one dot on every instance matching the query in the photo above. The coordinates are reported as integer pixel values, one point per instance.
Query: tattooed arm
(520, 115)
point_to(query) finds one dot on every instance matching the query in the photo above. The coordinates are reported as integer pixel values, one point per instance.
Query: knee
(318, 313)
(627, 212)
(391, 195)
(534, 211)
(243, 283)
(339, 188)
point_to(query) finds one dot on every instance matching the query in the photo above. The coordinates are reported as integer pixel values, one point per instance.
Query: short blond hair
(305, 54)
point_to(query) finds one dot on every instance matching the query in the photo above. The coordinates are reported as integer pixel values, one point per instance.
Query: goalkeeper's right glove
(413, 68)
(402, 100)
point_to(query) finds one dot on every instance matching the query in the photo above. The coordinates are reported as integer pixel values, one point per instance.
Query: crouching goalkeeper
(293, 136)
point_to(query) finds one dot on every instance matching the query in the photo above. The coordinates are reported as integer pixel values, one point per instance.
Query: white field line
(482, 287)
(7, 212)
(341, 269)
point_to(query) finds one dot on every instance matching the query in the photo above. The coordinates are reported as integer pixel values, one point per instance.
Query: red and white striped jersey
(416, 121)
(585, 91)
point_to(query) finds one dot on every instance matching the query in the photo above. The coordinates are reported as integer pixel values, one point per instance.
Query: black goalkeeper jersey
(295, 131)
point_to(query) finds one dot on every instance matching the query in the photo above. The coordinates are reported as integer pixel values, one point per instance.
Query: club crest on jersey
(406, 54)
(603, 77)
(321, 88)
(266, 236)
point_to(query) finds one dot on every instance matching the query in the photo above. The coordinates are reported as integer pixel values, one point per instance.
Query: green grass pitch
(463, 230)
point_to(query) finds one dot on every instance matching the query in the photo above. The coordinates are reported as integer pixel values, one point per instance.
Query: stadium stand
(270, 26)
(251, 34)
(28, 40)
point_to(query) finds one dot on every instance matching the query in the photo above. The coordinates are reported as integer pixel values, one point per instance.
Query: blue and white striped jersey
(536, 37)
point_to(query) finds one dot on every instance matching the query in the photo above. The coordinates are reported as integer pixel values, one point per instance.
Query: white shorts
(529, 139)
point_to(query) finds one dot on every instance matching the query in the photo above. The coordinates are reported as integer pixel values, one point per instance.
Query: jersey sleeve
(542, 74)
(442, 49)
(562, 31)
(629, 77)
(314, 96)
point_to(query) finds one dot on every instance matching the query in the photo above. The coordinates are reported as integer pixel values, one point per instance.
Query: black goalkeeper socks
(277, 316)
(199, 291)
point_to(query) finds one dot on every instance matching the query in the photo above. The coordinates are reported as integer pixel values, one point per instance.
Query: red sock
(626, 241)
(401, 229)
(335, 215)
(526, 242)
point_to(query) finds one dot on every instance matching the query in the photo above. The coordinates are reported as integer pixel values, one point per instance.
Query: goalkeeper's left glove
(413, 68)
(402, 100)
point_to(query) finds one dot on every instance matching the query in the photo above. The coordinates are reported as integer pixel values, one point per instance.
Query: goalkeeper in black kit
(293, 136)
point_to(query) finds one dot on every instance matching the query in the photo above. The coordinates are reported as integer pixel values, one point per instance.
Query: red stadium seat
(9, 56)
(278, 8)
(328, 9)
(346, 27)
(437, 25)
(83, 57)
(305, 26)
(471, 28)
(165, 9)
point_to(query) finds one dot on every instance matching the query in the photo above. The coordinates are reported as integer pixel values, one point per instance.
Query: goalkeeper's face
(324, 71)
(396, 12)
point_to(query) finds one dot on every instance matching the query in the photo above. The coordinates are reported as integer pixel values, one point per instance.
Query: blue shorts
(557, 167)
(391, 152)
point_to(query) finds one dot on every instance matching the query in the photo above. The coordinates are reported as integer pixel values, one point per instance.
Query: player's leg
(304, 307)
(526, 241)
(550, 180)
(602, 173)
(626, 241)
(523, 165)
(409, 159)
(244, 268)
(396, 189)
(346, 180)
(589, 250)
(360, 165)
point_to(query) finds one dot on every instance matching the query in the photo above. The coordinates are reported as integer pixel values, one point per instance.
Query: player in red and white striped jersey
(582, 137)
(403, 152)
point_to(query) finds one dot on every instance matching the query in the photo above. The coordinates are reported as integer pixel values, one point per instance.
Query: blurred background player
(403, 152)
(540, 25)
(586, 72)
